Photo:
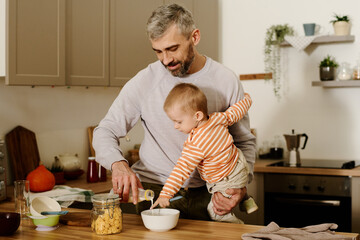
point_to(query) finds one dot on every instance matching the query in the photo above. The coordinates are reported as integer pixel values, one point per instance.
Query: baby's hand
(163, 202)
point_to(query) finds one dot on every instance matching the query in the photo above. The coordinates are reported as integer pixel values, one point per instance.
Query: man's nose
(167, 58)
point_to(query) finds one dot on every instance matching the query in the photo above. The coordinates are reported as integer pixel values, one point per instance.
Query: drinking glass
(21, 196)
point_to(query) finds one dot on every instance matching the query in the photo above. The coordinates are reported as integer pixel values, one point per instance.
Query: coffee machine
(293, 144)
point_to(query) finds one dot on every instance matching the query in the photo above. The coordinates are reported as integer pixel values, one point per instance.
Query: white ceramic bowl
(40, 204)
(160, 219)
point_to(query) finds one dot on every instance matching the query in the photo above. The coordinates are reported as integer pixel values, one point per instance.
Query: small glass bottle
(344, 72)
(92, 173)
(144, 195)
(106, 215)
(356, 71)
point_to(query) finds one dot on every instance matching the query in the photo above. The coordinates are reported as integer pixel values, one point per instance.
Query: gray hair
(167, 15)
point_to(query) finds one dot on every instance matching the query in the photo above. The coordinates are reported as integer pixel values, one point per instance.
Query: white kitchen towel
(65, 195)
(300, 43)
(313, 232)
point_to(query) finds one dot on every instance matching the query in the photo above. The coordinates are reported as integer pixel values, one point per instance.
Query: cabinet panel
(207, 20)
(36, 30)
(130, 49)
(87, 38)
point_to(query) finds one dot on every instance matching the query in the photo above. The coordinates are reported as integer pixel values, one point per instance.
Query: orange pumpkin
(41, 179)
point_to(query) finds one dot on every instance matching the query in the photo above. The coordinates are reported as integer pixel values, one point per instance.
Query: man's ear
(199, 115)
(195, 37)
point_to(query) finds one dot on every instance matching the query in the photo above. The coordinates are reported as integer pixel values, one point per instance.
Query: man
(173, 37)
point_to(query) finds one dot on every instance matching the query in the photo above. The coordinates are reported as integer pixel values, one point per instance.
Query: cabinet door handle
(334, 203)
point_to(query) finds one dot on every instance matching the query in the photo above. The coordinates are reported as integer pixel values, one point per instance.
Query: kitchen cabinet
(262, 167)
(256, 190)
(355, 204)
(35, 42)
(89, 42)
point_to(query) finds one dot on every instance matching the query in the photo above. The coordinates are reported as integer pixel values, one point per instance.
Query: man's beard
(184, 66)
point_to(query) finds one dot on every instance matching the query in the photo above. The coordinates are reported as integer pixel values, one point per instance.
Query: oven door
(294, 210)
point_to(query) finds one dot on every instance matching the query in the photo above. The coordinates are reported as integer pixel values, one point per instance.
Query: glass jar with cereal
(106, 215)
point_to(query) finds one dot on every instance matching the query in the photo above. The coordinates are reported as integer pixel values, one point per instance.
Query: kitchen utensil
(73, 174)
(175, 198)
(69, 162)
(23, 152)
(160, 220)
(81, 219)
(21, 197)
(43, 203)
(293, 144)
(90, 131)
(54, 212)
(45, 223)
(9, 222)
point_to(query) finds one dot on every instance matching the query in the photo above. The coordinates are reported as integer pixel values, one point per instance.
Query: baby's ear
(199, 115)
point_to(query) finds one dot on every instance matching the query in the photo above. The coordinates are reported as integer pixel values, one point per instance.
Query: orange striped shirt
(209, 148)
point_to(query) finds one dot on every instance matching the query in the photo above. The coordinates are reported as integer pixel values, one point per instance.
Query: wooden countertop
(133, 228)
(261, 166)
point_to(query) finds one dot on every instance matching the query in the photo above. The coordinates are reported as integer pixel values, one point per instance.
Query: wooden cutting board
(22, 151)
(81, 219)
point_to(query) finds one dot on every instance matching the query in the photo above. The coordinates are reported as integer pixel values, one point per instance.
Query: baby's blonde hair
(189, 97)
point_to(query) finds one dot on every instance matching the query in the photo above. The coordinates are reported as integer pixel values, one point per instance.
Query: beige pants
(238, 178)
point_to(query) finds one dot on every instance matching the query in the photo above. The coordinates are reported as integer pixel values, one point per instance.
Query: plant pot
(327, 73)
(342, 28)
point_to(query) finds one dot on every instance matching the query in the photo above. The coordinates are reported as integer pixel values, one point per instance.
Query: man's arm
(121, 117)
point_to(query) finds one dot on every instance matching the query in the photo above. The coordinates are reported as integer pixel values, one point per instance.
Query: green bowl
(48, 221)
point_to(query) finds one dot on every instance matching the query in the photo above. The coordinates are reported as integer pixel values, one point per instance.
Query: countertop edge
(261, 166)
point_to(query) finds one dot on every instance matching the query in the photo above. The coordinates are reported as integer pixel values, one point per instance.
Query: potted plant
(327, 68)
(275, 35)
(341, 25)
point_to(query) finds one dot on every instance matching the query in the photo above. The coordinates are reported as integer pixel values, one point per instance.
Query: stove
(321, 163)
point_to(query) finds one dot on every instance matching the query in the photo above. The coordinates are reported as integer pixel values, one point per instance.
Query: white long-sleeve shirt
(142, 98)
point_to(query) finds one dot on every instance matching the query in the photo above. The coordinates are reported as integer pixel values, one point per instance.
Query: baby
(209, 147)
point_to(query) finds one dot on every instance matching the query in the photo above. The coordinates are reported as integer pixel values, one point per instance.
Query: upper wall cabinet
(90, 42)
(35, 42)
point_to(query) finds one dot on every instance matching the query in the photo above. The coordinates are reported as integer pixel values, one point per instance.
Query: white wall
(59, 116)
(330, 117)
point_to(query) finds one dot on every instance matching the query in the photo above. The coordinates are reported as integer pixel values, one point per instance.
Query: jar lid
(105, 198)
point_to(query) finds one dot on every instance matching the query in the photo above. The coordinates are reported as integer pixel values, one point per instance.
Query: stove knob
(292, 186)
(306, 187)
(321, 188)
(2, 155)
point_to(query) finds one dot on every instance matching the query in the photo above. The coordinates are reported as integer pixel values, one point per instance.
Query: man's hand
(163, 202)
(124, 179)
(223, 205)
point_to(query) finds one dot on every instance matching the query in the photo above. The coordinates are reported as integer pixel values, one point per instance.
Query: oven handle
(333, 203)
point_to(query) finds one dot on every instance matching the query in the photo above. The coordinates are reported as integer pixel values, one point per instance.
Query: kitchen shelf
(336, 84)
(328, 39)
